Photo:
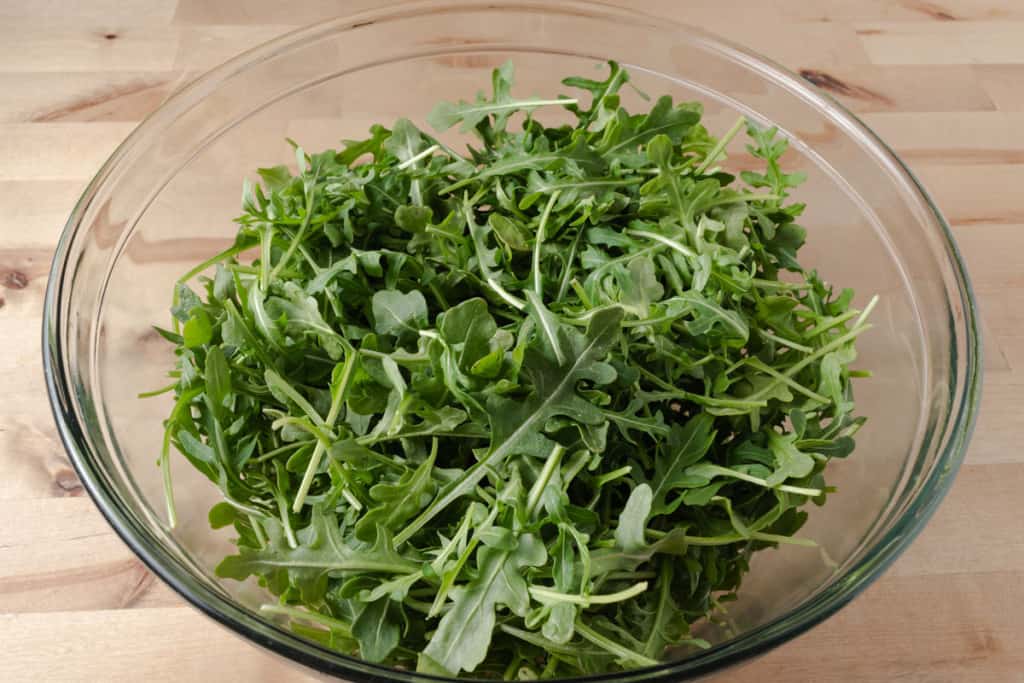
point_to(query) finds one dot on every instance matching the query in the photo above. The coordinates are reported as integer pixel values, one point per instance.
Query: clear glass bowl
(166, 198)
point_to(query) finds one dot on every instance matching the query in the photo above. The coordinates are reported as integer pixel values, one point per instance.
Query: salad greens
(521, 413)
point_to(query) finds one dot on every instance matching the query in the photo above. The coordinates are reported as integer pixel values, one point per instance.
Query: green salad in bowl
(523, 410)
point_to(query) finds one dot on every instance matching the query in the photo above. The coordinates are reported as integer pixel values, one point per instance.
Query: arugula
(524, 413)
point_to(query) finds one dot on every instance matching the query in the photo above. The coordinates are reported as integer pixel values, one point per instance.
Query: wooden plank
(88, 12)
(47, 97)
(1004, 83)
(161, 644)
(57, 151)
(904, 88)
(36, 211)
(948, 138)
(975, 194)
(943, 42)
(87, 567)
(86, 48)
(969, 634)
(720, 13)
(921, 629)
(966, 535)
(897, 10)
(203, 47)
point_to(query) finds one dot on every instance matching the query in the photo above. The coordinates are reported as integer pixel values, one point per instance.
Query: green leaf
(464, 633)
(399, 314)
(500, 106)
(790, 462)
(377, 630)
(302, 316)
(469, 329)
(640, 287)
(663, 120)
(321, 552)
(398, 501)
(275, 178)
(218, 377)
(629, 534)
(198, 329)
(685, 446)
(511, 233)
(413, 219)
(371, 145)
(185, 300)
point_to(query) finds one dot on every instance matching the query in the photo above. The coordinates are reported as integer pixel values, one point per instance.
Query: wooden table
(942, 81)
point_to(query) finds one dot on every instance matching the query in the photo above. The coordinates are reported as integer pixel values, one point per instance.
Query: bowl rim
(277, 639)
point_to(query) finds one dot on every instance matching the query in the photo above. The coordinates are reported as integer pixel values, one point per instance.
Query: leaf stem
(158, 392)
(757, 363)
(550, 465)
(785, 342)
(313, 617)
(513, 301)
(549, 596)
(266, 239)
(743, 476)
(618, 650)
(609, 477)
(538, 285)
(297, 239)
(413, 159)
(165, 472)
(867, 311)
(337, 401)
(666, 241)
(720, 146)
(563, 286)
(227, 253)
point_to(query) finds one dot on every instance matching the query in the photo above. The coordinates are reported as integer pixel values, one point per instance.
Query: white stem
(412, 160)
(671, 243)
(542, 594)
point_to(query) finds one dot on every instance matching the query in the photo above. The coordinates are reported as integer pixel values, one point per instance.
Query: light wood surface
(942, 81)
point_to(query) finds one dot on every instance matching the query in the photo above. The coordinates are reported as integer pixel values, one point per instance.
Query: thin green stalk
(266, 242)
(720, 146)
(563, 285)
(226, 254)
(538, 284)
(313, 617)
(611, 646)
(785, 342)
(297, 240)
(664, 241)
(743, 476)
(337, 402)
(609, 477)
(550, 465)
(158, 392)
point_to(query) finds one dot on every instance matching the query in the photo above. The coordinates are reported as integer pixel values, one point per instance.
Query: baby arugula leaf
(464, 633)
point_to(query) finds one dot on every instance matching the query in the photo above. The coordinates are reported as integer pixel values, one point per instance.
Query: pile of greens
(523, 413)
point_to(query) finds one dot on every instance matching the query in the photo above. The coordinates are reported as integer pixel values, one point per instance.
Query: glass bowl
(165, 201)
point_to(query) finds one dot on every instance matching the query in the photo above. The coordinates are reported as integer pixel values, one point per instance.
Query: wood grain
(940, 80)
